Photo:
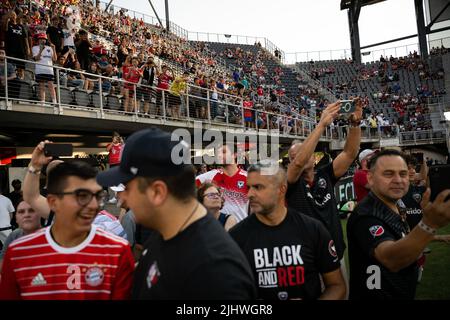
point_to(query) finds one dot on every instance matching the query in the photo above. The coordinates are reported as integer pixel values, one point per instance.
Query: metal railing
(80, 90)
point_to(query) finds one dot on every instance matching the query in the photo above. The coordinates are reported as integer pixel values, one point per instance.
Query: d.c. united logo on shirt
(153, 275)
(376, 231)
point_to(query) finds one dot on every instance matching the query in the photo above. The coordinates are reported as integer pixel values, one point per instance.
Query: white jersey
(234, 191)
(46, 61)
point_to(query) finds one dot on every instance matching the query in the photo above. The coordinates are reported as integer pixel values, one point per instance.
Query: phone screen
(439, 180)
(347, 106)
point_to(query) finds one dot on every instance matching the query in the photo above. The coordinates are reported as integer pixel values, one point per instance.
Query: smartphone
(419, 157)
(347, 107)
(439, 180)
(58, 150)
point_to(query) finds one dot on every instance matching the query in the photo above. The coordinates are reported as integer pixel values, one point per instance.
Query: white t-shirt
(6, 207)
(46, 59)
(68, 38)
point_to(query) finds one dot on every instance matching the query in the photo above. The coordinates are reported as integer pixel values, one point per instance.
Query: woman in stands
(91, 79)
(133, 75)
(44, 55)
(211, 198)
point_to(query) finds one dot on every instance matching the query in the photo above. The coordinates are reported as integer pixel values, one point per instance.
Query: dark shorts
(146, 93)
(44, 77)
(174, 100)
(248, 119)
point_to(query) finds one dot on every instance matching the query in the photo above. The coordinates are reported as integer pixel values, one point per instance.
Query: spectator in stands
(132, 76)
(148, 78)
(28, 221)
(83, 47)
(56, 35)
(10, 72)
(163, 86)
(16, 44)
(91, 78)
(360, 183)
(69, 37)
(211, 198)
(76, 79)
(378, 237)
(44, 56)
(178, 89)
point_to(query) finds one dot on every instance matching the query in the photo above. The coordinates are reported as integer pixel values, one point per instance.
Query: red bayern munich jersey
(36, 267)
(234, 191)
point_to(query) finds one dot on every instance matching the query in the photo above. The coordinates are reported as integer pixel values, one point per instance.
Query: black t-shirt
(318, 201)
(202, 262)
(15, 40)
(370, 224)
(412, 203)
(56, 36)
(287, 259)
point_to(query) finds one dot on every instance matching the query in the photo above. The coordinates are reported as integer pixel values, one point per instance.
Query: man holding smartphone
(311, 190)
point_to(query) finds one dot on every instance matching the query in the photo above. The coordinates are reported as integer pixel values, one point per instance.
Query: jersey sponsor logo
(38, 280)
(153, 275)
(240, 184)
(376, 231)
(94, 276)
(332, 250)
(417, 197)
(322, 183)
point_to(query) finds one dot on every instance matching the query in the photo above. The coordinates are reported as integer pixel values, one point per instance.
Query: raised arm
(31, 192)
(306, 150)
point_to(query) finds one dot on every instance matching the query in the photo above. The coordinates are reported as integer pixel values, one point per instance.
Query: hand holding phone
(439, 179)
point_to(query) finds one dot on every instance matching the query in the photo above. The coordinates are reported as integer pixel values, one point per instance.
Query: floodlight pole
(167, 16)
(106, 9)
(353, 17)
(421, 29)
(156, 14)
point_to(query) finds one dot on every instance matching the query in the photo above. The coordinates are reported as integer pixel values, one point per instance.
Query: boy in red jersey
(72, 259)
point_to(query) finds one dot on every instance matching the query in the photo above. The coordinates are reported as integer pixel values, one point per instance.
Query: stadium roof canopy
(345, 4)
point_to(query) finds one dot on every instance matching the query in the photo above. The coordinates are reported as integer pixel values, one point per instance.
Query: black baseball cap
(147, 153)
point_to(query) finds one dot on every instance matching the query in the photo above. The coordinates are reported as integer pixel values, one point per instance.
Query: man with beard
(72, 259)
(190, 256)
(290, 253)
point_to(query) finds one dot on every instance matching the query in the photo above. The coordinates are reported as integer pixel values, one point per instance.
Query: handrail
(235, 101)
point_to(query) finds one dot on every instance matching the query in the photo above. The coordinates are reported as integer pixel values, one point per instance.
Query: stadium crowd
(133, 56)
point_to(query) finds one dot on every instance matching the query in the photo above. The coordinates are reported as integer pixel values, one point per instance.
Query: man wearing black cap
(190, 256)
